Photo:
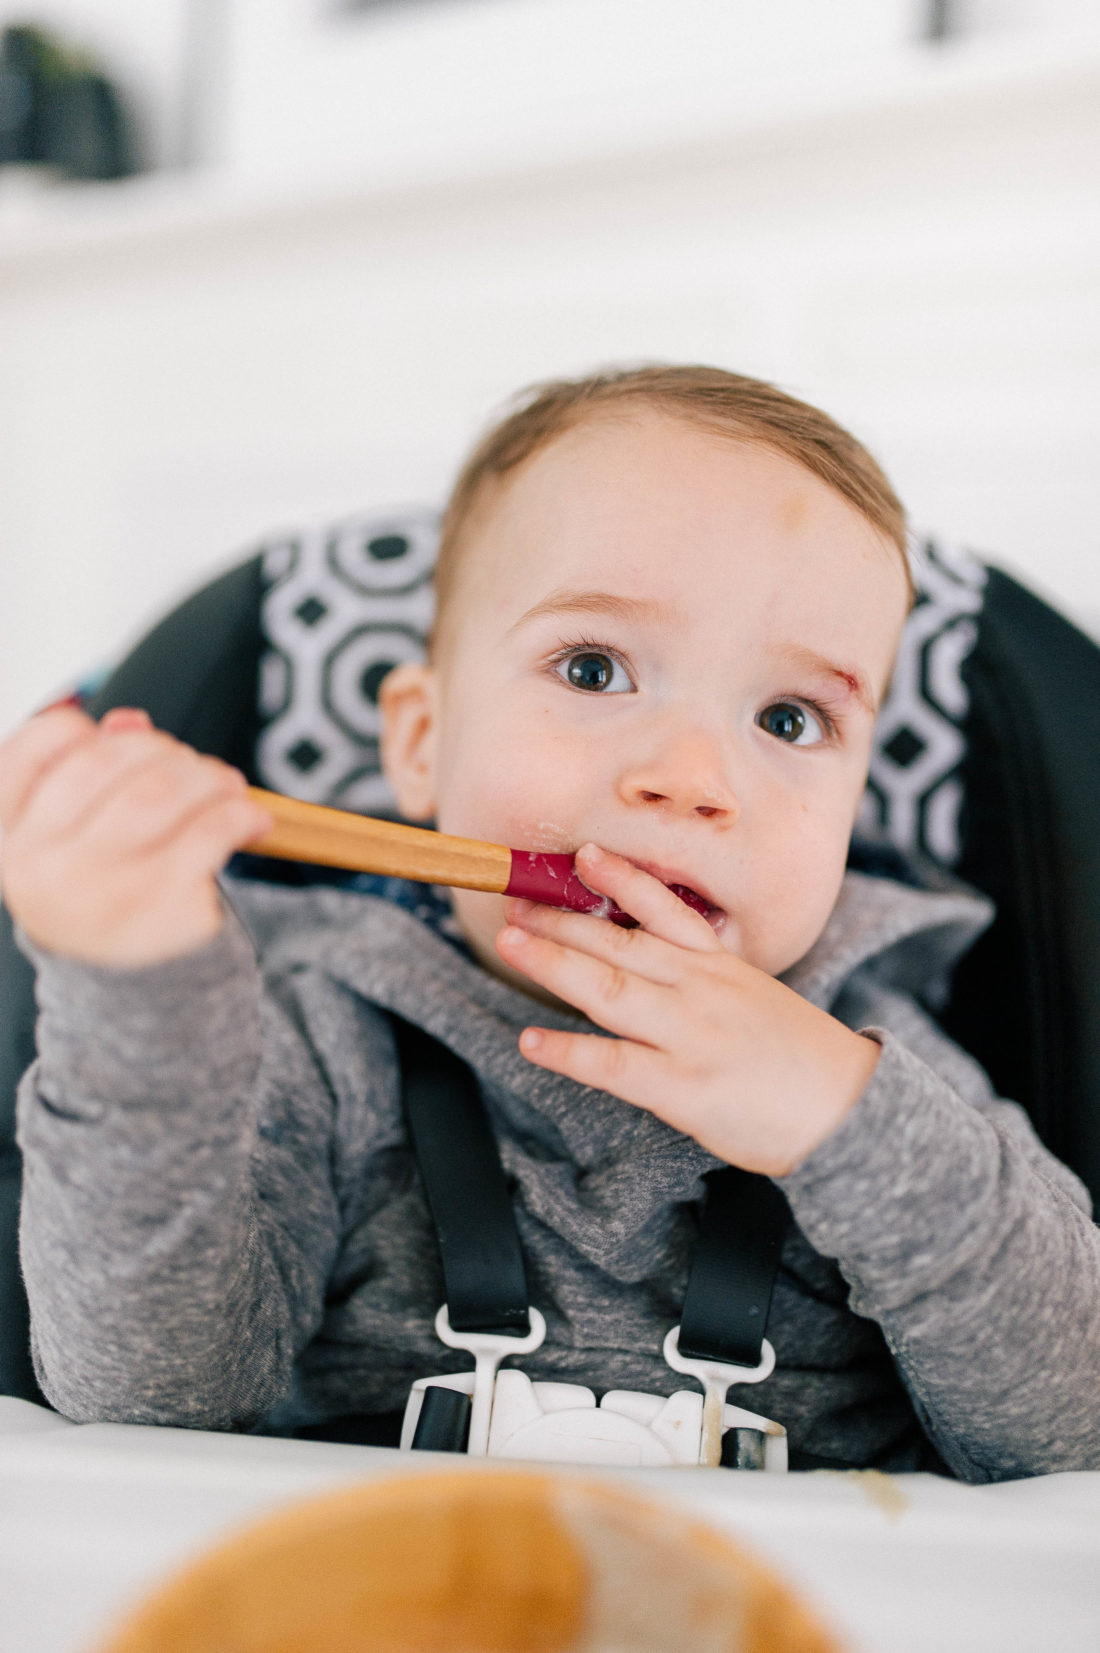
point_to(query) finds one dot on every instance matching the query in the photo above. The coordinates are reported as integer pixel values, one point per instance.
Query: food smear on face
(549, 837)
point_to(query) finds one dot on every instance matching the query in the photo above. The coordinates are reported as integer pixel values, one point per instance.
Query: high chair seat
(986, 765)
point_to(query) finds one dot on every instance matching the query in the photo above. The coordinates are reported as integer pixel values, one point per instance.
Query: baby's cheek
(479, 913)
(515, 803)
(791, 906)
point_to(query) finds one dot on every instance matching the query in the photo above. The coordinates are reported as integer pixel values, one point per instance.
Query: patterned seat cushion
(344, 604)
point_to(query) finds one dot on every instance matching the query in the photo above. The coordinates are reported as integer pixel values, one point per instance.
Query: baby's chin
(775, 955)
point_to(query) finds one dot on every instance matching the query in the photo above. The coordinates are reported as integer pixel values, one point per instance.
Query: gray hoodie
(223, 1226)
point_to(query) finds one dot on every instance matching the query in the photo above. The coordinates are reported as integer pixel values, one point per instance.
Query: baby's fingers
(631, 1071)
(27, 756)
(613, 997)
(157, 798)
(658, 909)
(125, 720)
(214, 829)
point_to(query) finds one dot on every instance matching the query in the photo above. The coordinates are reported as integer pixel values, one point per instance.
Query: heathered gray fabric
(223, 1226)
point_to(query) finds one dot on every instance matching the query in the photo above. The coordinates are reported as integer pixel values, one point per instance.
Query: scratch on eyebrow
(596, 602)
(855, 684)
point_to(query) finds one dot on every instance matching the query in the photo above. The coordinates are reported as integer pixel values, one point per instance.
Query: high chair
(986, 766)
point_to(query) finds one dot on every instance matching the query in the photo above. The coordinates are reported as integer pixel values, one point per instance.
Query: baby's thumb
(125, 720)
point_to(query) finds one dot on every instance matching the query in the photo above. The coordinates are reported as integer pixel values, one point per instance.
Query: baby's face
(674, 646)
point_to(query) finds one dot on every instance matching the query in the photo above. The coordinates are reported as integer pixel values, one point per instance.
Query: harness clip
(488, 1350)
(716, 1377)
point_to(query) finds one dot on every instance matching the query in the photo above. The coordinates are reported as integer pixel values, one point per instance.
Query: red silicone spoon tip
(553, 879)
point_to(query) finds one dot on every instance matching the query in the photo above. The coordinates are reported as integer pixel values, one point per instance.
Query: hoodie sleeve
(178, 1220)
(970, 1245)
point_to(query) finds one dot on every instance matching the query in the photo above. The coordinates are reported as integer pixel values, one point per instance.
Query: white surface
(913, 242)
(93, 1516)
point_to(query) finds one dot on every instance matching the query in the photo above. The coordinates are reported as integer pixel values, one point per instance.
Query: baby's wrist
(851, 1070)
(144, 947)
(143, 943)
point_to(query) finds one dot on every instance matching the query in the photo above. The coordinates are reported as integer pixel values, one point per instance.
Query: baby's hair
(726, 404)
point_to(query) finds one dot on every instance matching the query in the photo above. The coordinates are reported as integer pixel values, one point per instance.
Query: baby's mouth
(715, 916)
(538, 875)
(692, 898)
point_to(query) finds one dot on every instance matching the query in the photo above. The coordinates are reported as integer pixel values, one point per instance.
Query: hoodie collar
(388, 956)
(874, 918)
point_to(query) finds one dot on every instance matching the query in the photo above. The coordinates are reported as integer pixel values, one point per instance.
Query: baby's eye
(789, 721)
(593, 669)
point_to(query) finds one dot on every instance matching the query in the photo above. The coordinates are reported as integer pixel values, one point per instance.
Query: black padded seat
(987, 762)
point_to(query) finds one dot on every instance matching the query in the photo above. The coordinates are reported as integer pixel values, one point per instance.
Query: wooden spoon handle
(337, 838)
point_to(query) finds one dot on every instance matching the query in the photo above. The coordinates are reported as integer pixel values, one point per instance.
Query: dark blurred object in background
(57, 110)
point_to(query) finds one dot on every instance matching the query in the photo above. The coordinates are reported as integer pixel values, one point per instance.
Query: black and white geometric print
(343, 605)
(914, 788)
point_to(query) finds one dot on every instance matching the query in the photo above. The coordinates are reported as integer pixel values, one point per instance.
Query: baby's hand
(112, 836)
(708, 1043)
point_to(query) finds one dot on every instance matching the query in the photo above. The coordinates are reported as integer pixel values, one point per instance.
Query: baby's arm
(968, 1243)
(174, 1255)
(971, 1246)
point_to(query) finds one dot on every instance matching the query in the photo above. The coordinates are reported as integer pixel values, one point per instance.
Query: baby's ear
(407, 700)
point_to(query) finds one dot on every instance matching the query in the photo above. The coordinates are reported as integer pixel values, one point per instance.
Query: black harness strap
(467, 1191)
(733, 1269)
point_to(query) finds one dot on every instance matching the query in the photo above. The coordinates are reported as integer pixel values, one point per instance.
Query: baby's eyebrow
(594, 602)
(851, 680)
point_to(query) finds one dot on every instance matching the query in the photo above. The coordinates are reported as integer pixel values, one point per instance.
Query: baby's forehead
(664, 473)
(659, 507)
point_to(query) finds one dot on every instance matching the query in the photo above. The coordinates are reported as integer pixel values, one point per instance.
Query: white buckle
(716, 1377)
(488, 1350)
(511, 1417)
(561, 1423)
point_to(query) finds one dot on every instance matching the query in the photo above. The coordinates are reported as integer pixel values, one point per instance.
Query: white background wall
(421, 209)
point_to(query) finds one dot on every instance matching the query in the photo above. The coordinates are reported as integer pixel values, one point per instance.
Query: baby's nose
(686, 777)
(682, 805)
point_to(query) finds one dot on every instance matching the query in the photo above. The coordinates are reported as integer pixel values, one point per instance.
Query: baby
(668, 605)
